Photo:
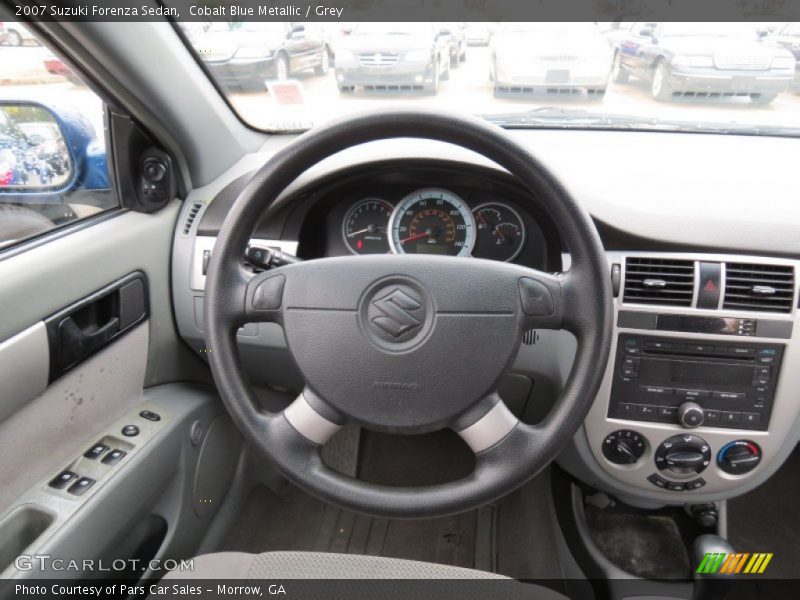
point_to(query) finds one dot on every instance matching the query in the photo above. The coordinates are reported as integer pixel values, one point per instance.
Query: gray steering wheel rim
(522, 453)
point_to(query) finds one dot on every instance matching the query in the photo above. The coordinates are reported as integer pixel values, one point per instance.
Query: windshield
(715, 77)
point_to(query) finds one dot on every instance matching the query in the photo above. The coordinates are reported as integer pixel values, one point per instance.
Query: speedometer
(432, 221)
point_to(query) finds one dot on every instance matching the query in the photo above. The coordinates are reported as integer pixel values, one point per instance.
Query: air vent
(659, 281)
(191, 216)
(759, 287)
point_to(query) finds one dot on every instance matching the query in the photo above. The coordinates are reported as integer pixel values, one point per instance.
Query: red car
(55, 66)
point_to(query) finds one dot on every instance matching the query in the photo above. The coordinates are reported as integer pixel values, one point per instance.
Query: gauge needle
(367, 229)
(360, 231)
(415, 237)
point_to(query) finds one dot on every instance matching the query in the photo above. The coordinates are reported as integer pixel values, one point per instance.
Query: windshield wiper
(575, 118)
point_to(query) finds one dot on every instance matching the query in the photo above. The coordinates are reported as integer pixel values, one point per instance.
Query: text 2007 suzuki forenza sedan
(261, 337)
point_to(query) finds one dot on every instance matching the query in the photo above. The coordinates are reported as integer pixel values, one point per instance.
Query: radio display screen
(698, 373)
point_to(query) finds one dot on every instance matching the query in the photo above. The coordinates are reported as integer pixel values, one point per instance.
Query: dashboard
(699, 399)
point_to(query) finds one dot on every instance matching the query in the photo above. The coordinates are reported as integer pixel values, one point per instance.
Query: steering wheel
(407, 343)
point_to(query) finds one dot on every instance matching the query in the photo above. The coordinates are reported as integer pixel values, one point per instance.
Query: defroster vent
(759, 287)
(659, 281)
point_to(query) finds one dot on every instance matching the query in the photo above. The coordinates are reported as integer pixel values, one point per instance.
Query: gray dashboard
(691, 197)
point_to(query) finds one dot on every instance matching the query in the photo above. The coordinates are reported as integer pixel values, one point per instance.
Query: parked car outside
(242, 56)
(56, 66)
(478, 34)
(788, 37)
(704, 60)
(16, 34)
(393, 57)
(561, 59)
(458, 43)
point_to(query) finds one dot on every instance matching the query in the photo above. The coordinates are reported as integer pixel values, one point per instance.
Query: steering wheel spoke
(263, 297)
(486, 424)
(305, 416)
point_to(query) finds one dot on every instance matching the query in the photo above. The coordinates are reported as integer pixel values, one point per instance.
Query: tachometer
(432, 221)
(501, 232)
(365, 227)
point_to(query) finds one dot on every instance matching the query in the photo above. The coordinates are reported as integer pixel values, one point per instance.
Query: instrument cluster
(434, 221)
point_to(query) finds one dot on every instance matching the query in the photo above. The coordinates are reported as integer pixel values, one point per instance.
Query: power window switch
(113, 457)
(62, 479)
(95, 451)
(150, 415)
(79, 487)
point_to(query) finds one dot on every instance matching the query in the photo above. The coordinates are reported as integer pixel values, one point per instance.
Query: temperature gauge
(501, 232)
(365, 225)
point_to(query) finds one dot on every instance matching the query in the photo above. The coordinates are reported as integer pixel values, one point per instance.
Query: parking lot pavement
(468, 89)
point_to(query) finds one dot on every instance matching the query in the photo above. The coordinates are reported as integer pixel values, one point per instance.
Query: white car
(560, 59)
(16, 34)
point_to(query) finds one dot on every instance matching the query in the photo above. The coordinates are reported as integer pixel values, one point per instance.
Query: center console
(699, 402)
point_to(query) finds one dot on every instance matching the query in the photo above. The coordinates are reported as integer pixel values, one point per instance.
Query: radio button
(713, 416)
(627, 410)
(730, 418)
(692, 393)
(699, 348)
(655, 389)
(730, 395)
(658, 345)
(690, 415)
(669, 413)
(742, 350)
(751, 419)
(647, 411)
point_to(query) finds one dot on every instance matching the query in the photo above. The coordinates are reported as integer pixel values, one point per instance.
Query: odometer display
(432, 221)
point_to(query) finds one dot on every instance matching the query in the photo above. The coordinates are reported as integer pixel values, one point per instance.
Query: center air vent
(759, 287)
(659, 281)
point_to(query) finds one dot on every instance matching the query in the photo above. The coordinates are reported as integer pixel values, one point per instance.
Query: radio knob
(690, 415)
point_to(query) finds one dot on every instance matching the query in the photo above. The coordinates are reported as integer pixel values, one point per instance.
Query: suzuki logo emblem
(396, 312)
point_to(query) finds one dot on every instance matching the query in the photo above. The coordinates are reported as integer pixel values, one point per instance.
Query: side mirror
(646, 32)
(297, 31)
(35, 152)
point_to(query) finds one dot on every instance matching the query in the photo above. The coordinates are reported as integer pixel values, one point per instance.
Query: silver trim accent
(308, 422)
(24, 366)
(490, 428)
(197, 281)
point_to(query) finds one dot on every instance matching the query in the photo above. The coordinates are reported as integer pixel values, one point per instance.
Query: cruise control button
(130, 431)
(150, 415)
(61, 480)
(113, 457)
(95, 451)
(79, 487)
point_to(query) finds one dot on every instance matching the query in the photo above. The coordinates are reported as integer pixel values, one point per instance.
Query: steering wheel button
(269, 293)
(535, 297)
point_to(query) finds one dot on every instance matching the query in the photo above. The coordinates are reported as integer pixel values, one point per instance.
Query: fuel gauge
(501, 232)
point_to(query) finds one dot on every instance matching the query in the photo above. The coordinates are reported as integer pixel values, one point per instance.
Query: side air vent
(759, 287)
(659, 281)
(191, 216)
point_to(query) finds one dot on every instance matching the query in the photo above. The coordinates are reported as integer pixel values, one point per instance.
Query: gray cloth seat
(276, 566)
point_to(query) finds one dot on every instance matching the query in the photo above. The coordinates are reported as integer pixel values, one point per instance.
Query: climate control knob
(624, 447)
(690, 415)
(741, 456)
(683, 454)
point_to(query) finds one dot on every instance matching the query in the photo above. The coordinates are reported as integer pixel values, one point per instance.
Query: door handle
(74, 343)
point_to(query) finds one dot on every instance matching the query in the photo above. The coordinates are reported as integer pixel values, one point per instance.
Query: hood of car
(219, 46)
(368, 43)
(711, 46)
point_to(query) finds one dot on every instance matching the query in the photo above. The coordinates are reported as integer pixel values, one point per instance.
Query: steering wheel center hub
(396, 314)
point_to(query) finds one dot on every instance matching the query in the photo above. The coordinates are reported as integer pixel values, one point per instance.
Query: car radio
(694, 382)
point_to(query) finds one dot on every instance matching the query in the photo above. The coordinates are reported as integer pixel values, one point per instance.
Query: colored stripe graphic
(740, 562)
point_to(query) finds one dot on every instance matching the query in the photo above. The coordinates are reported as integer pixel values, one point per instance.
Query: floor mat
(767, 520)
(297, 521)
(645, 545)
(514, 537)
